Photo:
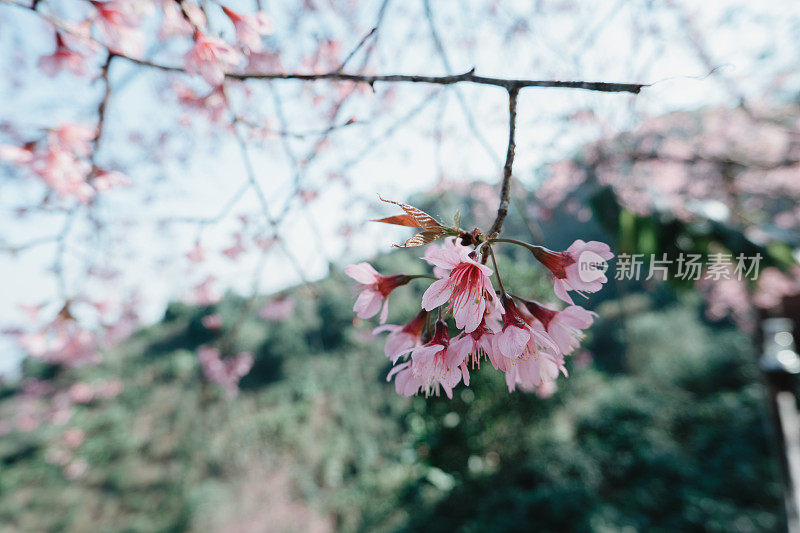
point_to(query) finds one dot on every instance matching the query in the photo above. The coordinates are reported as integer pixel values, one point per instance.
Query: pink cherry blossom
(265, 61)
(228, 372)
(451, 252)
(566, 265)
(539, 361)
(19, 155)
(106, 180)
(196, 254)
(62, 342)
(175, 24)
(403, 339)
(773, 286)
(81, 393)
(60, 170)
(468, 349)
(236, 249)
(546, 389)
(118, 21)
(214, 105)
(63, 58)
(467, 286)
(213, 321)
(59, 160)
(375, 289)
(250, 28)
(210, 57)
(278, 309)
(520, 337)
(428, 368)
(205, 293)
(565, 327)
(72, 438)
(534, 371)
(74, 137)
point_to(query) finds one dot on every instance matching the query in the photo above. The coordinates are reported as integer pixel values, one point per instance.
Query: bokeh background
(666, 422)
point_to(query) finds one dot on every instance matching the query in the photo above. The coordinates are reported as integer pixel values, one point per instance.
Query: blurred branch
(61, 245)
(466, 77)
(356, 49)
(468, 115)
(101, 110)
(262, 199)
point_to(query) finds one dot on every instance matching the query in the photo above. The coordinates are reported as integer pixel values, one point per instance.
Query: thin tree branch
(356, 49)
(466, 77)
(101, 111)
(262, 199)
(505, 189)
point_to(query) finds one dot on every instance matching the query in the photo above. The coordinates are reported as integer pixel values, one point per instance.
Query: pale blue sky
(751, 42)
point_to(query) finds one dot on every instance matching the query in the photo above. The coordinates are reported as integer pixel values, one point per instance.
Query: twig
(462, 102)
(496, 270)
(356, 49)
(101, 112)
(505, 189)
(262, 199)
(467, 77)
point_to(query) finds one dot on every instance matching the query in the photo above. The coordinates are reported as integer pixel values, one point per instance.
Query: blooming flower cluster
(524, 339)
(61, 160)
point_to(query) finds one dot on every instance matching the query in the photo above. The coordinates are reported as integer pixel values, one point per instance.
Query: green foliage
(663, 431)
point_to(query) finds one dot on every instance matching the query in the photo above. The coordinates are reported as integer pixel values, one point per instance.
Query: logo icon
(591, 266)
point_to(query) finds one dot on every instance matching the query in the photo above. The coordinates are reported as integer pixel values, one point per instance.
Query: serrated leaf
(457, 219)
(400, 220)
(423, 219)
(420, 239)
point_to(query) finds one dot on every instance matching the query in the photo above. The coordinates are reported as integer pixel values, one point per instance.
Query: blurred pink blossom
(277, 309)
(224, 372)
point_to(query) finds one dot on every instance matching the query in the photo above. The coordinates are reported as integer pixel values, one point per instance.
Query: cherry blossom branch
(101, 110)
(508, 84)
(512, 241)
(467, 77)
(505, 189)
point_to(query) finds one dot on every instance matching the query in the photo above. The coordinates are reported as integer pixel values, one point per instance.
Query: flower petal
(437, 294)
(362, 273)
(560, 288)
(367, 304)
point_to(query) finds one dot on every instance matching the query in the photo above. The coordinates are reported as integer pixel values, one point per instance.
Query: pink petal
(385, 311)
(367, 304)
(362, 272)
(437, 294)
(512, 341)
(560, 288)
(469, 315)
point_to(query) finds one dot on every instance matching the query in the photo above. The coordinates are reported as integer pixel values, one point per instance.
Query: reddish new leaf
(423, 219)
(400, 220)
(422, 238)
